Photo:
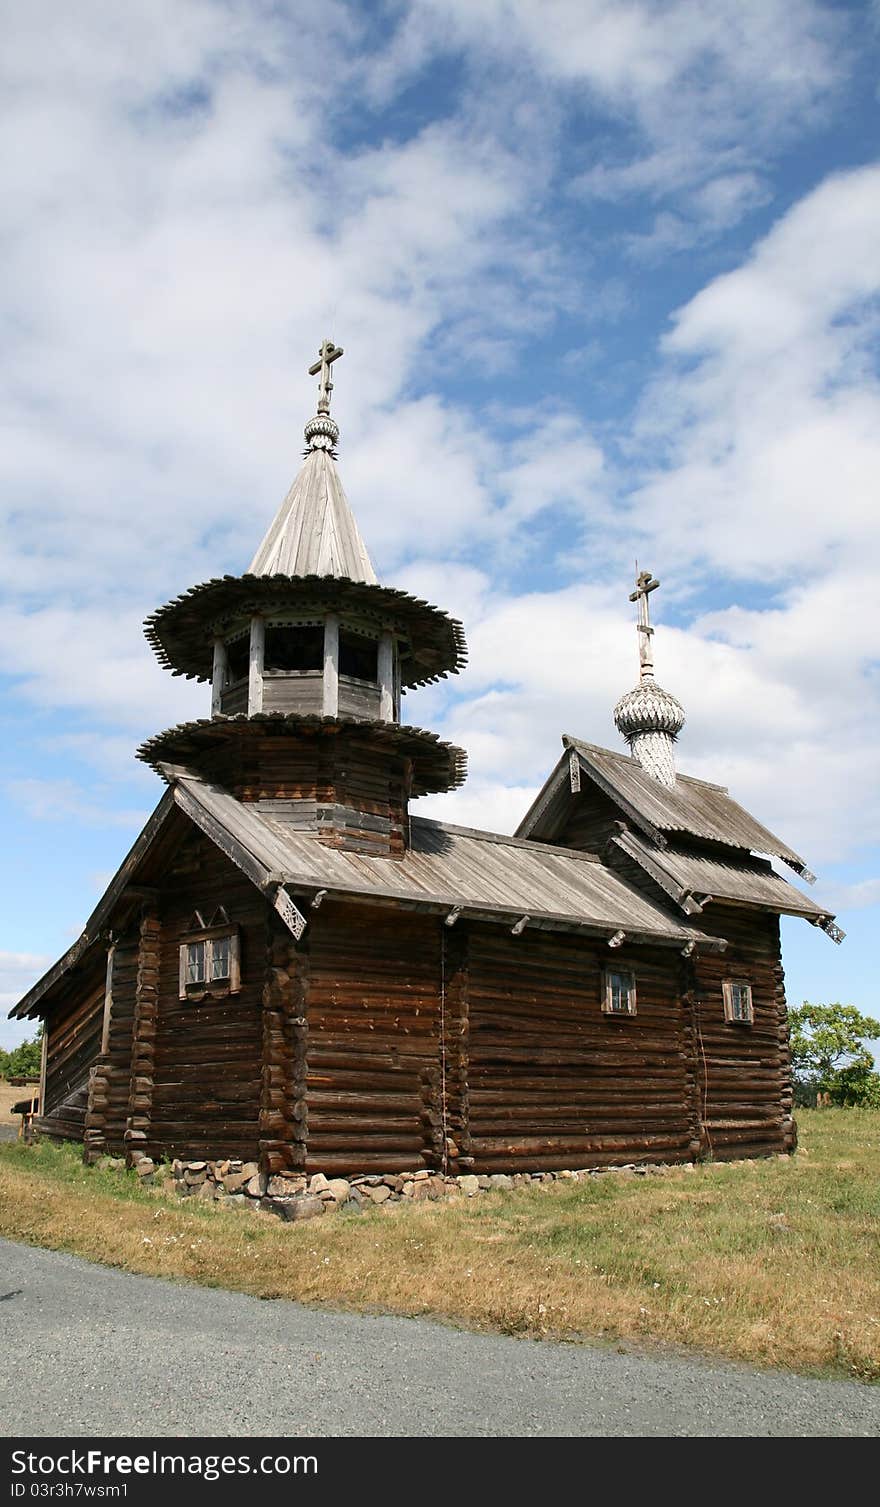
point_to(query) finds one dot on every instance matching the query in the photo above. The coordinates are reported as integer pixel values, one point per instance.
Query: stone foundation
(293, 1196)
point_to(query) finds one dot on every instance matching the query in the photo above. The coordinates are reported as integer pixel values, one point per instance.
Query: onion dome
(648, 717)
(649, 709)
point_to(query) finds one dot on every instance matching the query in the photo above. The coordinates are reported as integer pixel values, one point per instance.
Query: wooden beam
(218, 678)
(108, 1000)
(255, 665)
(331, 665)
(386, 678)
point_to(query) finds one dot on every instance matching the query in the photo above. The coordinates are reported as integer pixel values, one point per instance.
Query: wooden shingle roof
(314, 532)
(692, 807)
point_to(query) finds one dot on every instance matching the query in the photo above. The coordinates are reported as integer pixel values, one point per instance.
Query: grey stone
(305, 1206)
(469, 1185)
(256, 1185)
(501, 1180)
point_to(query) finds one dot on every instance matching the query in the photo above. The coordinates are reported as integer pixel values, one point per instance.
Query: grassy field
(774, 1262)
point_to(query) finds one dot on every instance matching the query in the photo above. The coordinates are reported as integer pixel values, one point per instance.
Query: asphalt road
(87, 1351)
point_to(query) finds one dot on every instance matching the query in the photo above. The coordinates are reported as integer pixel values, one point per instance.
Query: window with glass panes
(210, 961)
(619, 992)
(737, 1001)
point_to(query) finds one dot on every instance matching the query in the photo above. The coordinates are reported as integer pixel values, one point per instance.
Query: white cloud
(184, 224)
(18, 971)
(64, 800)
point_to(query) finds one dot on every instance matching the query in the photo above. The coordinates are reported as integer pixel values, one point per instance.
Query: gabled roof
(693, 807)
(446, 870)
(314, 532)
(693, 880)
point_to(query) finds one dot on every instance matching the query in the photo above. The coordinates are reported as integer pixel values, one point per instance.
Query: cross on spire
(645, 584)
(327, 354)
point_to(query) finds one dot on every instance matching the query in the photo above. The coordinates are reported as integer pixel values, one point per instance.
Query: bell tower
(308, 658)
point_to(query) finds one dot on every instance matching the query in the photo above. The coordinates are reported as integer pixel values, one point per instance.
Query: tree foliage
(24, 1060)
(829, 1054)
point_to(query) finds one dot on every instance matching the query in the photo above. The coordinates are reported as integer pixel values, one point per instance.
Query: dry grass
(774, 1262)
(10, 1095)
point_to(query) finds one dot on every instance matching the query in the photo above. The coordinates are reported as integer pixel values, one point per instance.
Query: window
(358, 657)
(620, 992)
(737, 1001)
(294, 648)
(210, 958)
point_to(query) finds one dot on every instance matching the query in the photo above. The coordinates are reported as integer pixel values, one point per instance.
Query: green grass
(772, 1262)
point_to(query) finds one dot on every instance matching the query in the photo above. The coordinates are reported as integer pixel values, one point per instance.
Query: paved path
(100, 1352)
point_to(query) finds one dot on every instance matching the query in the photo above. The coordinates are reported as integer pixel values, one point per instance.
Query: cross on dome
(645, 584)
(327, 354)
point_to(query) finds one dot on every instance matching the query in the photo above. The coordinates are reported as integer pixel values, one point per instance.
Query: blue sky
(606, 273)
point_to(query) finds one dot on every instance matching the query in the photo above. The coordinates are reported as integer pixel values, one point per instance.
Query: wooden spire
(314, 532)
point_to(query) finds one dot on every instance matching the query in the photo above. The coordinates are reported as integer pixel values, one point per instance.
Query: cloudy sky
(606, 273)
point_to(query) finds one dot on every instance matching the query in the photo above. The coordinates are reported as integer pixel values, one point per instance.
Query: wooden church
(290, 967)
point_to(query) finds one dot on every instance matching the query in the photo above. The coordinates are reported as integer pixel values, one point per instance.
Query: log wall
(207, 1063)
(74, 1040)
(743, 1071)
(110, 1085)
(374, 1068)
(354, 793)
(554, 1082)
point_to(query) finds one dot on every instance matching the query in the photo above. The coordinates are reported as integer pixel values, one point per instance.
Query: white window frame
(608, 991)
(230, 983)
(730, 1014)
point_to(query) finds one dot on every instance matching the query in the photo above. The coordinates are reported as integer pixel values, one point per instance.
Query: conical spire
(314, 531)
(648, 717)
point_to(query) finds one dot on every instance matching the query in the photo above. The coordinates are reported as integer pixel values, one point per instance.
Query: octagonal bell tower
(308, 657)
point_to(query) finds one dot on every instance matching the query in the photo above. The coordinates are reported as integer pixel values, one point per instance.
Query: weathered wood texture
(111, 1079)
(355, 794)
(743, 1071)
(146, 1015)
(293, 693)
(283, 1120)
(207, 1063)
(455, 1046)
(374, 1070)
(73, 1044)
(591, 817)
(553, 1082)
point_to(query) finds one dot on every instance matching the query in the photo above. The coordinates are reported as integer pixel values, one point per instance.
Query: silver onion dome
(648, 709)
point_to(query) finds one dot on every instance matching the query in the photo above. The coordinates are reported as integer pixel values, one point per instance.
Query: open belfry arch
(292, 967)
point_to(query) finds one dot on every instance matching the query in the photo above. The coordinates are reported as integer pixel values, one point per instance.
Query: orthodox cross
(645, 584)
(327, 354)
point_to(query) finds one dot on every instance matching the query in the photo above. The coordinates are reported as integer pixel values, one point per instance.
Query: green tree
(24, 1060)
(829, 1055)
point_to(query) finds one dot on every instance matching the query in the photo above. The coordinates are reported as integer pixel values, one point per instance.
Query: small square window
(737, 1001)
(620, 992)
(209, 962)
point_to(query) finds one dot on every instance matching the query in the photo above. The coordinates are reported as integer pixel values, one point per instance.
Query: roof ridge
(504, 839)
(570, 740)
